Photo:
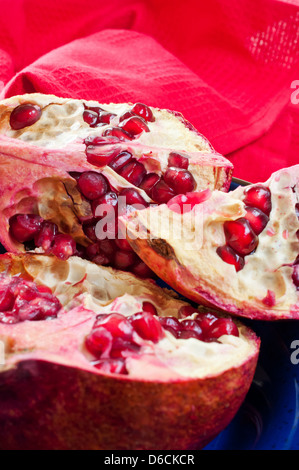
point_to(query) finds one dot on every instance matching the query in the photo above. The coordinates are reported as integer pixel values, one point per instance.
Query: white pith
(85, 289)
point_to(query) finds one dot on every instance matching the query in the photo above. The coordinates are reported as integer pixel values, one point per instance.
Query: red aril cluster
(22, 300)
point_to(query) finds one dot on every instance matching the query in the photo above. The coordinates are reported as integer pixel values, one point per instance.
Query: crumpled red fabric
(230, 66)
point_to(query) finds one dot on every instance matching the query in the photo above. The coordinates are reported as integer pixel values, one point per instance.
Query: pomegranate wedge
(99, 359)
(71, 167)
(236, 251)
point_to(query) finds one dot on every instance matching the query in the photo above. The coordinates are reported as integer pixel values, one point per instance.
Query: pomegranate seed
(205, 320)
(181, 181)
(112, 366)
(223, 326)
(133, 197)
(183, 203)
(295, 275)
(148, 307)
(228, 255)
(96, 109)
(240, 236)
(143, 111)
(134, 125)
(123, 244)
(117, 132)
(96, 140)
(98, 206)
(171, 324)
(258, 196)
(149, 182)
(23, 227)
(101, 259)
(92, 185)
(99, 342)
(105, 117)
(124, 259)
(63, 246)
(186, 311)
(178, 161)
(108, 247)
(44, 289)
(191, 326)
(6, 299)
(141, 269)
(118, 325)
(39, 309)
(44, 238)
(127, 115)
(99, 157)
(89, 231)
(25, 115)
(119, 161)
(257, 219)
(123, 349)
(90, 117)
(133, 172)
(162, 193)
(147, 326)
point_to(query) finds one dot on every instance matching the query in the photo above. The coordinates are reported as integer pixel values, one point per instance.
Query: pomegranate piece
(133, 172)
(45, 237)
(92, 185)
(99, 342)
(143, 111)
(162, 193)
(134, 125)
(147, 326)
(229, 255)
(90, 117)
(177, 160)
(25, 115)
(257, 219)
(63, 246)
(23, 227)
(181, 181)
(240, 236)
(258, 196)
(223, 326)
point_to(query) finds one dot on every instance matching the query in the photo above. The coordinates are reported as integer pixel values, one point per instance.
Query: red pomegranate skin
(50, 404)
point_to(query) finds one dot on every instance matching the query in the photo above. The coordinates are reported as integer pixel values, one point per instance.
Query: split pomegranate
(91, 165)
(105, 358)
(240, 257)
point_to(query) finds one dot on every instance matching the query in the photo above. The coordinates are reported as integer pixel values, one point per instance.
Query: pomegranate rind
(57, 401)
(201, 275)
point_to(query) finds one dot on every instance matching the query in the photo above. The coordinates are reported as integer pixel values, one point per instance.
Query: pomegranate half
(99, 359)
(69, 168)
(236, 251)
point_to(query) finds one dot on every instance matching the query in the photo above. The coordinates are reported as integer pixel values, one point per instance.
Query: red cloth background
(227, 65)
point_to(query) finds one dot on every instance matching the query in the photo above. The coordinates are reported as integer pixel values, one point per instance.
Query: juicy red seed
(240, 236)
(105, 117)
(171, 324)
(99, 157)
(44, 238)
(101, 259)
(258, 196)
(92, 185)
(117, 132)
(178, 161)
(184, 203)
(205, 320)
(118, 325)
(162, 193)
(135, 125)
(112, 366)
(123, 244)
(23, 227)
(90, 117)
(181, 181)
(124, 259)
(133, 172)
(223, 326)
(92, 250)
(149, 182)
(193, 326)
(96, 109)
(147, 326)
(148, 307)
(143, 111)
(6, 299)
(44, 289)
(89, 231)
(186, 311)
(40, 308)
(133, 197)
(103, 204)
(122, 348)
(63, 246)
(120, 160)
(25, 115)
(127, 115)
(141, 269)
(99, 342)
(228, 255)
(295, 275)
(108, 247)
(257, 219)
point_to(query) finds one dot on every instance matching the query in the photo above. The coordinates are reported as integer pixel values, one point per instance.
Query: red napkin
(228, 66)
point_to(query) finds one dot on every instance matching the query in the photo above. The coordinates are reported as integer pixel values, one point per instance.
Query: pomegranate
(224, 251)
(93, 355)
(66, 179)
